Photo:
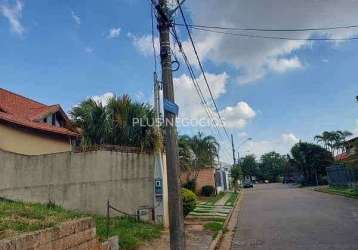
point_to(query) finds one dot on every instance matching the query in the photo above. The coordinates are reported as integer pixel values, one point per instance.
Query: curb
(216, 242)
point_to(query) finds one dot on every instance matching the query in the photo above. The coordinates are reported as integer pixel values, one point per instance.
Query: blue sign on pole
(171, 107)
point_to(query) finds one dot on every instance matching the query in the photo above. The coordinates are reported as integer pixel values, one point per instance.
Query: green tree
(311, 160)
(186, 154)
(116, 123)
(205, 149)
(248, 166)
(272, 165)
(236, 175)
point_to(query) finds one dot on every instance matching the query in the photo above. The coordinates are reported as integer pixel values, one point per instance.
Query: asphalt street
(280, 216)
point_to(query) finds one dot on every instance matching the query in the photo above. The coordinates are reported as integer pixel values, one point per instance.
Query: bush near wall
(189, 201)
(208, 191)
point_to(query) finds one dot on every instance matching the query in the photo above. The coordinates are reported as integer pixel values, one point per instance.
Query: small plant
(189, 200)
(208, 191)
(190, 185)
(214, 226)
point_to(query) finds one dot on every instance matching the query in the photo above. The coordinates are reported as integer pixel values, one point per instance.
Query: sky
(276, 92)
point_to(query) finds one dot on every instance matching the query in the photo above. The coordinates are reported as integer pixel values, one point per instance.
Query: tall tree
(272, 165)
(248, 166)
(236, 175)
(311, 160)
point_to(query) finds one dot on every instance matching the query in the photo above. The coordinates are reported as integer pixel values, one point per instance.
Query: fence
(340, 175)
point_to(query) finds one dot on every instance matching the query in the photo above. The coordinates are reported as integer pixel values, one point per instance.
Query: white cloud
(237, 116)
(282, 145)
(283, 64)
(289, 138)
(13, 14)
(190, 105)
(187, 97)
(144, 43)
(254, 58)
(89, 50)
(114, 33)
(103, 99)
(75, 17)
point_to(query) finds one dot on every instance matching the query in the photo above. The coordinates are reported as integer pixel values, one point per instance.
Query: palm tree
(197, 152)
(205, 149)
(113, 123)
(333, 140)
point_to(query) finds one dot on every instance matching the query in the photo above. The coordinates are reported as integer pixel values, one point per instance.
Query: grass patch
(214, 226)
(344, 191)
(130, 232)
(232, 199)
(18, 217)
(212, 200)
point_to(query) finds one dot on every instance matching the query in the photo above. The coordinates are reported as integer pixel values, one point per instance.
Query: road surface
(279, 216)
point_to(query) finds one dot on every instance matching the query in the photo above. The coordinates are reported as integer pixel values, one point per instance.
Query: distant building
(350, 148)
(222, 177)
(32, 128)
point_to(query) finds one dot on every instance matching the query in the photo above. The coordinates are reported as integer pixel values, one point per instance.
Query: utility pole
(176, 218)
(233, 149)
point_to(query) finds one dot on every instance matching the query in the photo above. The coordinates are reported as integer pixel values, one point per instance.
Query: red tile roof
(342, 157)
(24, 112)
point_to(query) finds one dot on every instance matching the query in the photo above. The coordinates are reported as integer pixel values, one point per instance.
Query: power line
(273, 37)
(192, 76)
(197, 88)
(153, 40)
(201, 68)
(270, 30)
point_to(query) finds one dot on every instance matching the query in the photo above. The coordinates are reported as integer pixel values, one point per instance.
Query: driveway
(280, 216)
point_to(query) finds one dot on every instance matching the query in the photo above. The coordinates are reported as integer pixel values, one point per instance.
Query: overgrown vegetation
(18, 217)
(344, 191)
(131, 233)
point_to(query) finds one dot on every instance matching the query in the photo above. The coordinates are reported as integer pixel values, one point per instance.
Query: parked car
(288, 179)
(248, 184)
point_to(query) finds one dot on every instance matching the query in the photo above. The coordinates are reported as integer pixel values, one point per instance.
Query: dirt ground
(197, 238)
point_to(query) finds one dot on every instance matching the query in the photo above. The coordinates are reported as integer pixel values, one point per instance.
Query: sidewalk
(198, 236)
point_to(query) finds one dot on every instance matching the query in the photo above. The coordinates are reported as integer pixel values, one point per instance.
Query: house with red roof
(32, 128)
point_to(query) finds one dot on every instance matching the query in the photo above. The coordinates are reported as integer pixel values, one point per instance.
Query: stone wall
(75, 235)
(80, 181)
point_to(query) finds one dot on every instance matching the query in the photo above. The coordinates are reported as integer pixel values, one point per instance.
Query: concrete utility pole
(233, 149)
(176, 218)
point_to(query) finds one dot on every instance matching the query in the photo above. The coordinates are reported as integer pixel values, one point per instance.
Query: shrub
(190, 185)
(189, 200)
(207, 191)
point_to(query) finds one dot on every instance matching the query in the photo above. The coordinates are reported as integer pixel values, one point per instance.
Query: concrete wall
(77, 235)
(82, 181)
(27, 142)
